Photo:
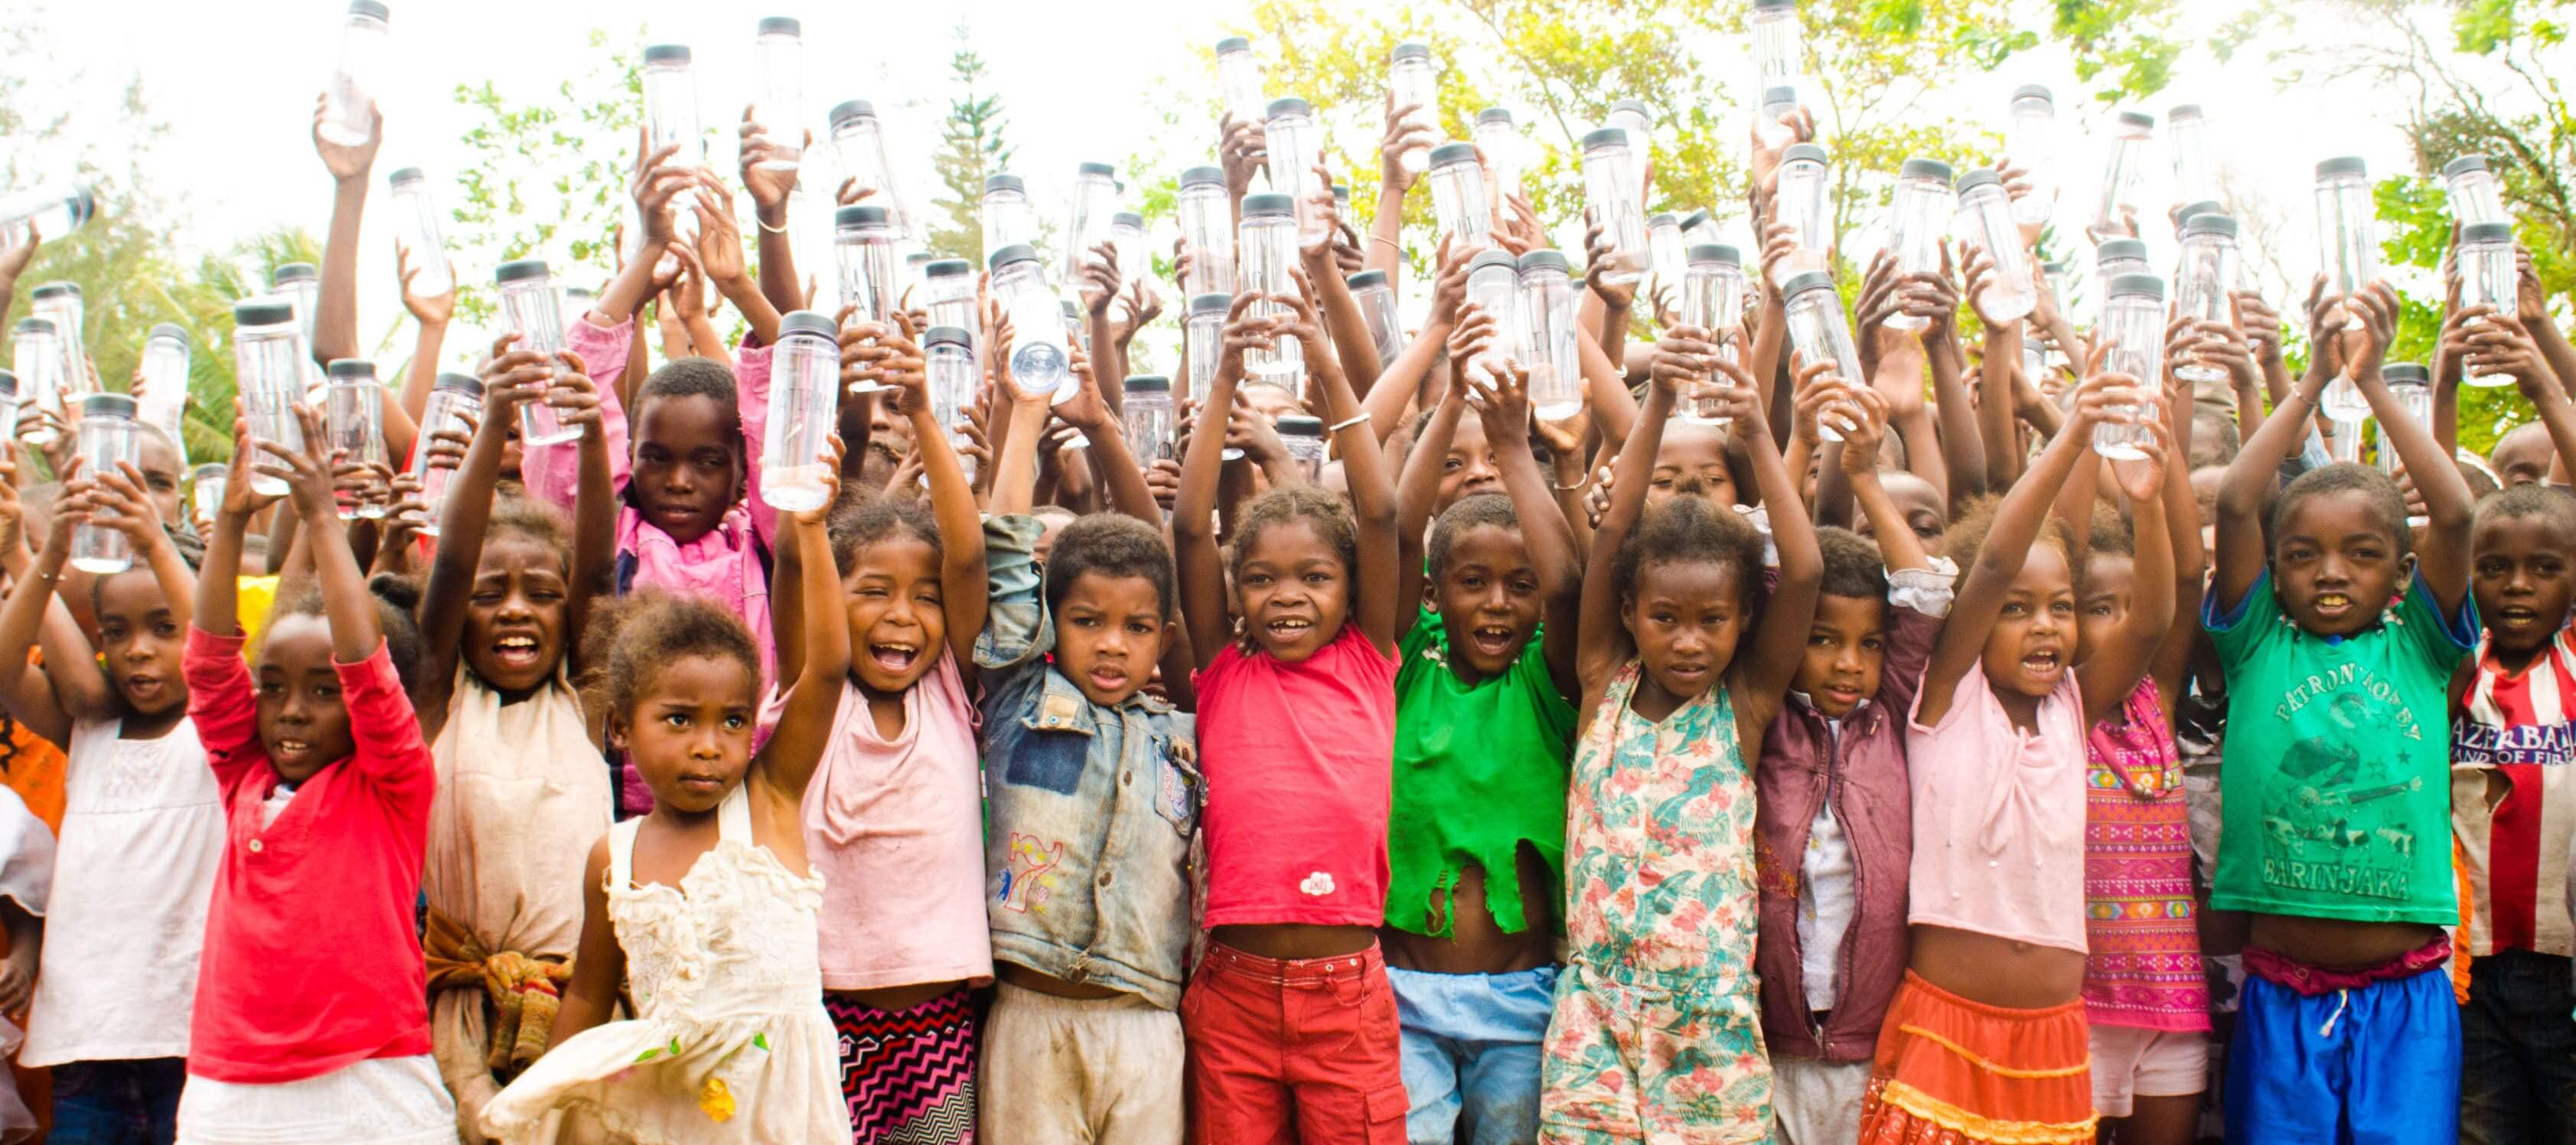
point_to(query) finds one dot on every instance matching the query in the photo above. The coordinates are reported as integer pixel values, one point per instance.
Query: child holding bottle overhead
(706, 908)
(1656, 1032)
(1834, 818)
(2339, 644)
(311, 1021)
(1483, 731)
(1986, 1037)
(143, 828)
(1292, 1026)
(892, 818)
(1094, 804)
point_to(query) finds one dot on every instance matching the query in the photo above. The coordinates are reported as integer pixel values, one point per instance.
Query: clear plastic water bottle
(1203, 348)
(2489, 277)
(1918, 219)
(1607, 179)
(363, 37)
(1095, 198)
(2412, 385)
(1039, 361)
(2121, 166)
(1293, 143)
(36, 356)
(2344, 444)
(1267, 242)
(1818, 332)
(1664, 248)
(1458, 195)
(804, 407)
(1413, 79)
(8, 398)
(2475, 196)
(1778, 104)
(2347, 229)
(948, 289)
(1500, 140)
(2202, 282)
(455, 404)
(1554, 361)
(530, 309)
(353, 418)
(1342, 205)
(1985, 214)
(301, 284)
(419, 227)
(2133, 316)
(206, 489)
(1127, 234)
(1005, 212)
(1238, 80)
(1147, 408)
(1712, 299)
(671, 105)
(268, 365)
(109, 437)
(2030, 142)
(950, 376)
(778, 63)
(1776, 44)
(863, 250)
(1376, 299)
(859, 146)
(61, 301)
(1304, 438)
(2187, 136)
(1494, 285)
(52, 211)
(2116, 257)
(1637, 120)
(1699, 228)
(1799, 202)
(1207, 231)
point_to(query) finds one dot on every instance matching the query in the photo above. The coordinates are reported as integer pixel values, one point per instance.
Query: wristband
(1339, 426)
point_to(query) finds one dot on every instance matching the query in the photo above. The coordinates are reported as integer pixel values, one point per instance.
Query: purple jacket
(1862, 773)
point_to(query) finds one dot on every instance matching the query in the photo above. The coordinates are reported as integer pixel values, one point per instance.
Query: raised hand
(1597, 248)
(307, 472)
(759, 146)
(719, 236)
(347, 161)
(427, 309)
(654, 185)
(2142, 478)
(1243, 149)
(1401, 136)
(1866, 431)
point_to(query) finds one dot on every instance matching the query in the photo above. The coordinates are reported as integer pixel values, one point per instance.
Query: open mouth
(1491, 640)
(896, 658)
(2333, 604)
(1840, 697)
(295, 747)
(516, 651)
(1290, 627)
(142, 687)
(2516, 617)
(1108, 679)
(2044, 662)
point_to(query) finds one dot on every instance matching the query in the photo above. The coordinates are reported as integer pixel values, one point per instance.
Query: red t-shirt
(311, 961)
(1299, 780)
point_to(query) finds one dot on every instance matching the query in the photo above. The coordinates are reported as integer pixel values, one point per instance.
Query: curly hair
(1967, 534)
(2533, 499)
(397, 601)
(1327, 513)
(691, 377)
(1113, 545)
(2110, 532)
(650, 630)
(1479, 511)
(533, 520)
(1684, 530)
(1853, 566)
(855, 527)
(2386, 502)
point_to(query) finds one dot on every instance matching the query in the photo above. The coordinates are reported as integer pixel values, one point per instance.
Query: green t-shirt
(2335, 779)
(1478, 772)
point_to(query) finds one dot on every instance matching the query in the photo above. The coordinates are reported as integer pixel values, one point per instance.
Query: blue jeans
(2375, 1066)
(132, 1102)
(1471, 1053)
(2518, 1052)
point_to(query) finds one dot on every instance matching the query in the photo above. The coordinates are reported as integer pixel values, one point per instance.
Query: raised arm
(1505, 413)
(1418, 488)
(962, 586)
(430, 313)
(779, 288)
(1372, 491)
(805, 727)
(2506, 345)
(2443, 559)
(1898, 547)
(1194, 546)
(29, 692)
(355, 631)
(335, 315)
(1116, 463)
(2109, 673)
(1603, 644)
(1340, 309)
(1781, 636)
(720, 257)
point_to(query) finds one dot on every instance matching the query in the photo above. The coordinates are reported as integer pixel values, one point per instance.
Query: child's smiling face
(1295, 588)
(2032, 644)
(303, 718)
(514, 613)
(897, 621)
(1846, 654)
(2523, 577)
(2337, 563)
(1488, 600)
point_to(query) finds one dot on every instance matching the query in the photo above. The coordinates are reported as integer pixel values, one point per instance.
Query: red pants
(1305, 1051)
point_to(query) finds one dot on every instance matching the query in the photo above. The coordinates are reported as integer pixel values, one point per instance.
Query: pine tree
(970, 148)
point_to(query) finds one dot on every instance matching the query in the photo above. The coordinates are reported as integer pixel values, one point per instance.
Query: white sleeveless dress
(732, 1046)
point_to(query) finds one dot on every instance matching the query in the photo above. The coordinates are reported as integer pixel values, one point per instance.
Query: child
(1482, 736)
(1834, 818)
(2338, 643)
(26, 878)
(522, 790)
(1987, 1029)
(143, 826)
(892, 819)
(2146, 999)
(1292, 1027)
(706, 907)
(311, 1021)
(1656, 1029)
(1094, 805)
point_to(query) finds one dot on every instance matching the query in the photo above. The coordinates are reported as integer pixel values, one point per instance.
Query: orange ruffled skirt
(1955, 1072)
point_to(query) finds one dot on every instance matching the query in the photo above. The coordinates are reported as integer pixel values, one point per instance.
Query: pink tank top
(2143, 968)
(1999, 817)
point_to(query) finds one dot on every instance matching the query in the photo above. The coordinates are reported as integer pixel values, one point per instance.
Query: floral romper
(1657, 1033)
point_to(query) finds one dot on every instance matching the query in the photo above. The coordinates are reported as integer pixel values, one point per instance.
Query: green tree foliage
(548, 179)
(971, 147)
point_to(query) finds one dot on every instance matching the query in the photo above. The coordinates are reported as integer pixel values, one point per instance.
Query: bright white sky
(236, 85)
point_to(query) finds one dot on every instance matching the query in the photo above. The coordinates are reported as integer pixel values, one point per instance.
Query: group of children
(1757, 754)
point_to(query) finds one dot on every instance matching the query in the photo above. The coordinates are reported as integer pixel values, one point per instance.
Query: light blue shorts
(1471, 1053)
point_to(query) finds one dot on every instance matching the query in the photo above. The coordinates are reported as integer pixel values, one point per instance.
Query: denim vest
(1093, 808)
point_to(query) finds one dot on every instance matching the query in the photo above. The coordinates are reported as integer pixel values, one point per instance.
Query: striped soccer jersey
(2514, 798)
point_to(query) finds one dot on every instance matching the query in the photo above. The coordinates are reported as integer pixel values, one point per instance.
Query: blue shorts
(1471, 1051)
(2379, 1065)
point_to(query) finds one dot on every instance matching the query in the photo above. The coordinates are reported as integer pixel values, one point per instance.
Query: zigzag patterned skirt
(909, 1075)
